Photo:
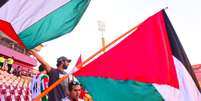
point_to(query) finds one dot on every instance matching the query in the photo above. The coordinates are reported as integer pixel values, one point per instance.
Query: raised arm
(41, 60)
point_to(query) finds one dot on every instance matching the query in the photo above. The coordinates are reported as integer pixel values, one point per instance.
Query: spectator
(60, 92)
(74, 91)
(2, 60)
(10, 62)
(44, 81)
(17, 71)
(40, 83)
(5, 66)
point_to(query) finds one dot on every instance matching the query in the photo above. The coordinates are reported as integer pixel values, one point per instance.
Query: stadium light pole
(101, 28)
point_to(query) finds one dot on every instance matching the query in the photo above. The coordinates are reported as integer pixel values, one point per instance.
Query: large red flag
(145, 66)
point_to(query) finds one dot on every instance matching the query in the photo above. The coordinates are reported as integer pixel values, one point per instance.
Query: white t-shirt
(35, 86)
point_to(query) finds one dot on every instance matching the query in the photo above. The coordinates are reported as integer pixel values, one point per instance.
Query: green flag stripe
(56, 24)
(104, 89)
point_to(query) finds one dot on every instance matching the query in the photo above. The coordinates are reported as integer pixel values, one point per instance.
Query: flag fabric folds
(145, 66)
(7, 28)
(38, 21)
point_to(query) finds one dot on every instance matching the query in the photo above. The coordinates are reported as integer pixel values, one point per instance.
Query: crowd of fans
(7, 65)
(14, 88)
(68, 90)
(18, 84)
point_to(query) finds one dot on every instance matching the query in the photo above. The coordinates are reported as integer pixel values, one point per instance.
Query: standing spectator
(35, 86)
(60, 92)
(40, 83)
(2, 60)
(5, 66)
(74, 91)
(44, 81)
(10, 62)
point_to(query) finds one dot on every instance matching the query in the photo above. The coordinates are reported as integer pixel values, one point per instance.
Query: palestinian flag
(78, 65)
(32, 22)
(148, 65)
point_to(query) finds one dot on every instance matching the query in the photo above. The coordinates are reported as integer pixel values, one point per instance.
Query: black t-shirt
(60, 91)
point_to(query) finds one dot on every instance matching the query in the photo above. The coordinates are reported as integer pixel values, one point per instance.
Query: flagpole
(110, 44)
(84, 62)
(165, 8)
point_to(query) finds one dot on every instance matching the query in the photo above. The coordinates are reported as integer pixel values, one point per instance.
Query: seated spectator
(16, 71)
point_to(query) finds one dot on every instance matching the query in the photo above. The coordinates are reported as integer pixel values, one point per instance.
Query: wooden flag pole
(80, 65)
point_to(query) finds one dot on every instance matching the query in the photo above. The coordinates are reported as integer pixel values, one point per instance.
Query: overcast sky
(121, 15)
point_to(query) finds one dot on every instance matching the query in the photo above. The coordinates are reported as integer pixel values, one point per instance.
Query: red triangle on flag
(143, 56)
(79, 62)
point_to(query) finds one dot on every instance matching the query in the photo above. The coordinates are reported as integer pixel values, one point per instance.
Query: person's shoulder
(52, 69)
(44, 76)
(61, 72)
(80, 99)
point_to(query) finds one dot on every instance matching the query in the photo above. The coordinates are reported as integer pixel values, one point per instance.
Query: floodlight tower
(101, 28)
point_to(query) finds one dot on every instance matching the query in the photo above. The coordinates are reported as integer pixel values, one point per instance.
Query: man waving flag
(32, 22)
(148, 65)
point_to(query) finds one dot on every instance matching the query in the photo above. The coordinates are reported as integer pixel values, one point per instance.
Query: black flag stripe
(2, 2)
(178, 50)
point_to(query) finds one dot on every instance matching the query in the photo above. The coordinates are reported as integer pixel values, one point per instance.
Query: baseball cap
(63, 58)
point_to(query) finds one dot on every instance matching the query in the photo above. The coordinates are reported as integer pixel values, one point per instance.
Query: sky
(121, 15)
